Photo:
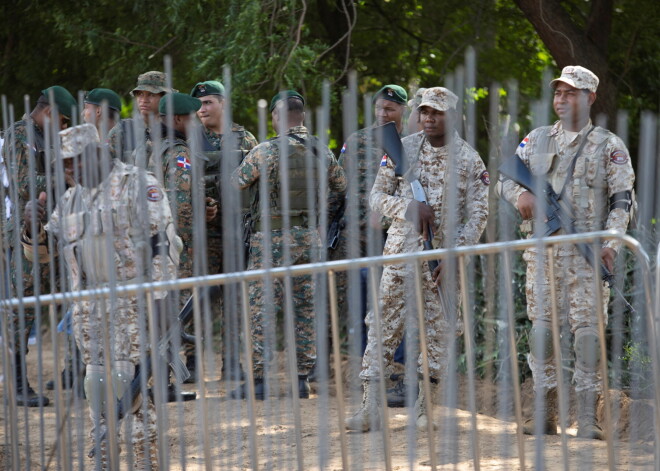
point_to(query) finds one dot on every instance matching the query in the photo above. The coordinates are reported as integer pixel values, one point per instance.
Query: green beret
(62, 99)
(96, 97)
(393, 93)
(181, 103)
(210, 87)
(285, 95)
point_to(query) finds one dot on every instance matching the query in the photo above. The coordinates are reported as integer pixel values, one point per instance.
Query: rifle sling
(571, 169)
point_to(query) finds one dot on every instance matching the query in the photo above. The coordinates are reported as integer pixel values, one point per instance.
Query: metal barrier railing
(267, 456)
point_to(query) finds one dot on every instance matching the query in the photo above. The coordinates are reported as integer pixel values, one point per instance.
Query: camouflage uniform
(304, 241)
(391, 196)
(124, 144)
(127, 197)
(602, 170)
(16, 144)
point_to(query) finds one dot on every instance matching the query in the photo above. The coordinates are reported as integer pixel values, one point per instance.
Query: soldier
(211, 114)
(93, 111)
(129, 138)
(302, 237)
(18, 154)
(174, 162)
(112, 199)
(590, 168)
(361, 152)
(430, 154)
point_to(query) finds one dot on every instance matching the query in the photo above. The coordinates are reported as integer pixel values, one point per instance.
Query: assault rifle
(335, 227)
(165, 350)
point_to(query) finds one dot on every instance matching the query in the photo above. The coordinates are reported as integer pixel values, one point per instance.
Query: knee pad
(94, 385)
(540, 342)
(587, 349)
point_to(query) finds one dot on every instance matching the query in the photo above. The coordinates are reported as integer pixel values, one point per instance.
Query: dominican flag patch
(383, 161)
(343, 148)
(524, 142)
(183, 162)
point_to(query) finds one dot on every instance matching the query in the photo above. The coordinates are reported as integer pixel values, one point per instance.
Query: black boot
(232, 370)
(26, 397)
(396, 396)
(260, 390)
(73, 375)
(303, 387)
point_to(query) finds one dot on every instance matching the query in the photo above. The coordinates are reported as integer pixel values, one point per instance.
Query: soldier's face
(571, 104)
(210, 114)
(91, 113)
(433, 123)
(387, 111)
(147, 103)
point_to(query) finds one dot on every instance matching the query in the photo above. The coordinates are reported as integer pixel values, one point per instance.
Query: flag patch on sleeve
(183, 162)
(383, 161)
(524, 142)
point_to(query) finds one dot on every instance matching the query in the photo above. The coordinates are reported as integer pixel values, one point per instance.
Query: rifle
(388, 139)
(335, 227)
(558, 216)
(164, 350)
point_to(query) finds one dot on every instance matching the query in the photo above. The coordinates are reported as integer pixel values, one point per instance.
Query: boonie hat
(181, 103)
(439, 98)
(210, 87)
(154, 82)
(392, 92)
(62, 99)
(97, 95)
(578, 77)
(74, 140)
(285, 95)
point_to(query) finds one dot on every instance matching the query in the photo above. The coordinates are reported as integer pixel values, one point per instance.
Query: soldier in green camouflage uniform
(302, 237)
(18, 156)
(213, 142)
(128, 140)
(93, 109)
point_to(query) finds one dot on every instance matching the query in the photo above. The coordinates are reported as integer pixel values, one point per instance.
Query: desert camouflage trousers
(575, 296)
(268, 299)
(398, 306)
(90, 318)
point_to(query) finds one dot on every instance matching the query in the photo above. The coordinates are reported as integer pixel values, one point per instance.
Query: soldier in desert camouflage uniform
(302, 236)
(213, 144)
(432, 155)
(599, 191)
(18, 153)
(126, 205)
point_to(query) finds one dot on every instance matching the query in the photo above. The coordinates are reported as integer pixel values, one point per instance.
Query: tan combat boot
(587, 425)
(421, 413)
(368, 416)
(550, 417)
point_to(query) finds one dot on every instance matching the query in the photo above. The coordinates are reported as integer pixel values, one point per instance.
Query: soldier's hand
(211, 208)
(422, 216)
(436, 276)
(35, 207)
(526, 204)
(607, 256)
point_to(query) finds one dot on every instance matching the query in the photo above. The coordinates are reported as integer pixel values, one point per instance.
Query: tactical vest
(587, 188)
(303, 181)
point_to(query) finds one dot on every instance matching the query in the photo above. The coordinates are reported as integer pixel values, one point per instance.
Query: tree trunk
(570, 44)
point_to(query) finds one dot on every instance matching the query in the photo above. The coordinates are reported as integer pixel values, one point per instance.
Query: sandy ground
(215, 433)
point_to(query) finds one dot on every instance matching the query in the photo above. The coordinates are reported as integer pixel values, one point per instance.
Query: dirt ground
(215, 433)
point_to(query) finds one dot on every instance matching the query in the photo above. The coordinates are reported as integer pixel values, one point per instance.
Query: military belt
(277, 223)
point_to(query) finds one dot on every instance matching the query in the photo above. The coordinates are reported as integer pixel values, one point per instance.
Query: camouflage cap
(74, 140)
(577, 77)
(62, 99)
(284, 95)
(97, 95)
(417, 99)
(392, 92)
(182, 104)
(439, 98)
(154, 82)
(210, 87)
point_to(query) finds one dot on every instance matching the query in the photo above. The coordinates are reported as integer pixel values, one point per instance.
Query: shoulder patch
(343, 148)
(183, 162)
(619, 157)
(383, 161)
(524, 142)
(154, 193)
(485, 177)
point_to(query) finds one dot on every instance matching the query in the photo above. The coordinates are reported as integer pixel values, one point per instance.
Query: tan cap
(75, 139)
(417, 99)
(154, 82)
(578, 77)
(439, 98)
